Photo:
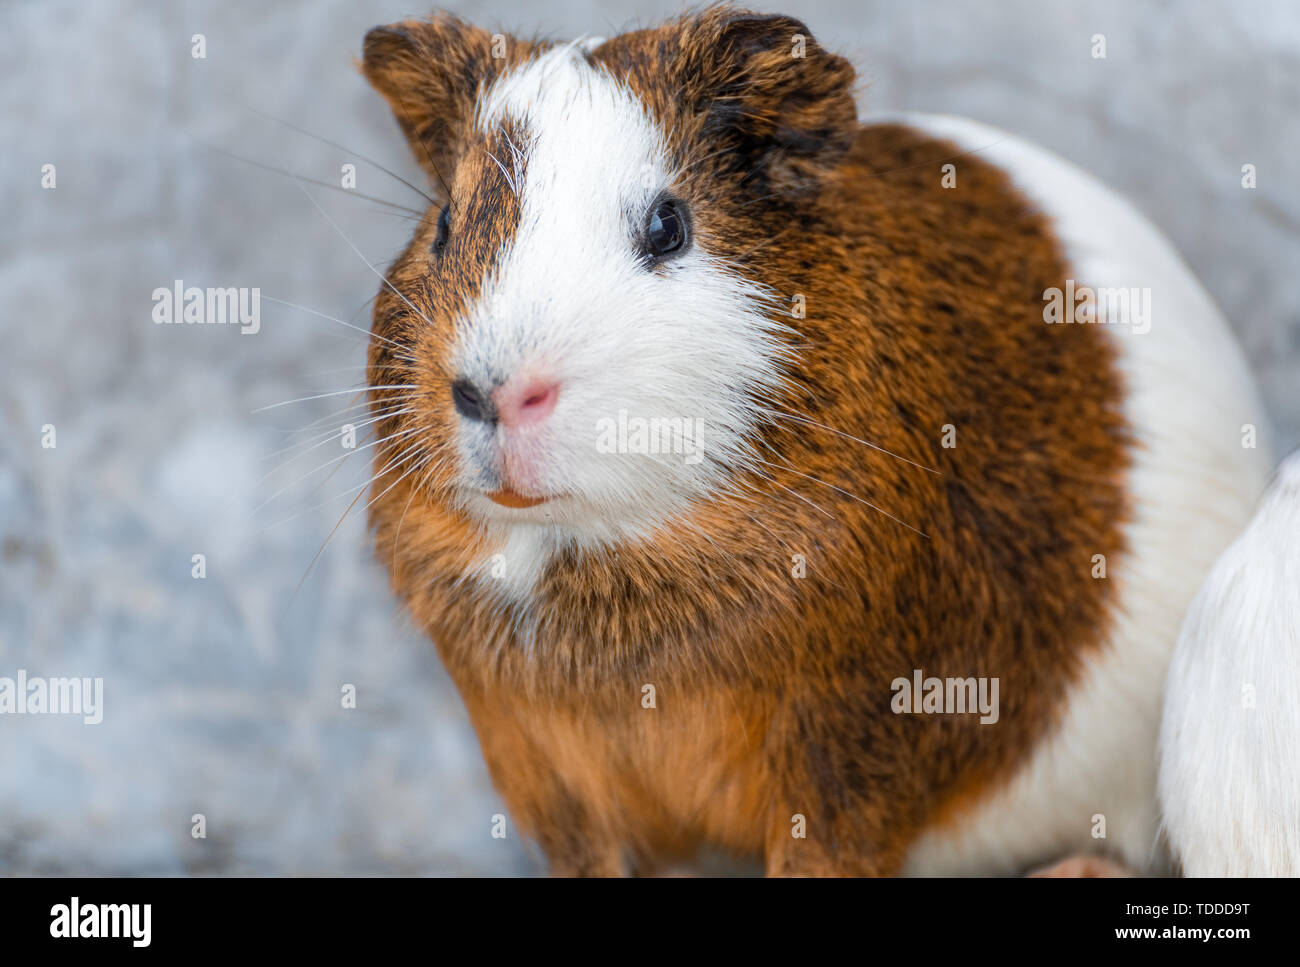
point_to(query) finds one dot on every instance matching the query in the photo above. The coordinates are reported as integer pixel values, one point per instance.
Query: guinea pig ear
(432, 72)
(770, 93)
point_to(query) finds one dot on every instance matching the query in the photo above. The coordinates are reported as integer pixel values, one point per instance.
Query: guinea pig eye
(444, 226)
(666, 228)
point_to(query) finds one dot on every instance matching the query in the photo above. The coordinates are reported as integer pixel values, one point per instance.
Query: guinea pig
(819, 493)
(1230, 737)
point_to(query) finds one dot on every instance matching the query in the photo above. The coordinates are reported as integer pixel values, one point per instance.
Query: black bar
(332, 917)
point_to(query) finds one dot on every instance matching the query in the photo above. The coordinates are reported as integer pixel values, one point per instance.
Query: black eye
(666, 229)
(444, 226)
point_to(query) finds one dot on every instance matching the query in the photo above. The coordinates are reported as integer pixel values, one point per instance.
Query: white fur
(1192, 484)
(572, 300)
(1230, 740)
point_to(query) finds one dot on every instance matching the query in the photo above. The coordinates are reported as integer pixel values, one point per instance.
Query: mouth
(510, 498)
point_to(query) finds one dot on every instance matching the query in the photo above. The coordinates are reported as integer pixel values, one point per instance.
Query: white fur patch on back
(1192, 484)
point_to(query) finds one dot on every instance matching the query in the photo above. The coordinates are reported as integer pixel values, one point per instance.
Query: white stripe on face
(573, 301)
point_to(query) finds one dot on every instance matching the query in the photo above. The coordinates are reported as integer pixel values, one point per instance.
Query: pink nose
(524, 402)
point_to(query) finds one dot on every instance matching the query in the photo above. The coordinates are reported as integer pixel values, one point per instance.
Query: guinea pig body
(1230, 737)
(749, 489)
(1199, 456)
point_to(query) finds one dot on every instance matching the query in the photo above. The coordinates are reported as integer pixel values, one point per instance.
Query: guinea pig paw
(1082, 866)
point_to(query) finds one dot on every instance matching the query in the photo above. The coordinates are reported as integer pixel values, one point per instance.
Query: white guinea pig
(1230, 740)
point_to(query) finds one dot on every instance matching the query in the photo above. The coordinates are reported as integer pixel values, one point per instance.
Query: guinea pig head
(580, 328)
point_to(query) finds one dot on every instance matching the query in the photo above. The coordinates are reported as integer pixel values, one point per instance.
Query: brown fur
(773, 693)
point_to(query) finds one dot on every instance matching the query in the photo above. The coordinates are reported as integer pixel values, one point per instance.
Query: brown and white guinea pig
(750, 488)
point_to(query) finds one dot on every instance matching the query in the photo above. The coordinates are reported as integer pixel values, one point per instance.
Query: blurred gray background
(223, 694)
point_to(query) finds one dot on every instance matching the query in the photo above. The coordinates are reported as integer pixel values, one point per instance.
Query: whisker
(392, 465)
(399, 399)
(845, 493)
(394, 435)
(324, 544)
(285, 464)
(322, 184)
(816, 506)
(333, 144)
(316, 373)
(377, 273)
(504, 174)
(333, 434)
(314, 312)
(419, 484)
(342, 392)
(409, 126)
(848, 436)
(416, 466)
(388, 400)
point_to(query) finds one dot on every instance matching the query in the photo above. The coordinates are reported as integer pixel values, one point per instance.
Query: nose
(525, 400)
(520, 401)
(472, 403)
